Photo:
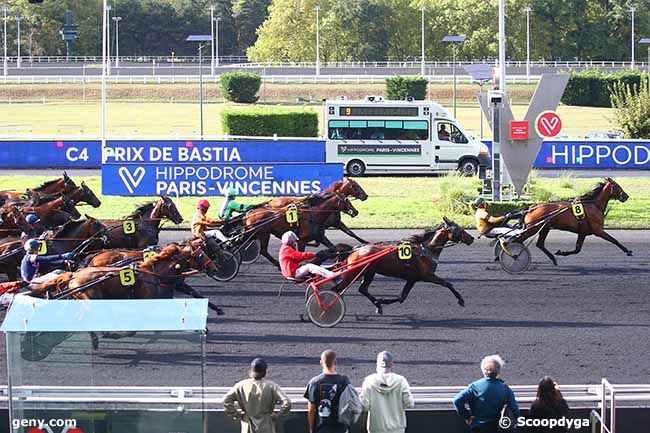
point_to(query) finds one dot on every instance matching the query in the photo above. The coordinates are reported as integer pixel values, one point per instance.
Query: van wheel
(355, 168)
(468, 167)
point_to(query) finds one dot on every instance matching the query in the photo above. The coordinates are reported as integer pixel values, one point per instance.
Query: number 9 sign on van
(548, 124)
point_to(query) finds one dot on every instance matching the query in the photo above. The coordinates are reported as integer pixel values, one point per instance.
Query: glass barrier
(54, 347)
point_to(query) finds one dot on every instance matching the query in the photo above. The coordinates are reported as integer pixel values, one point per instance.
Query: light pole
(117, 41)
(216, 44)
(18, 59)
(527, 9)
(646, 41)
(202, 40)
(212, 65)
(5, 61)
(422, 42)
(317, 9)
(633, 10)
(108, 39)
(454, 40)
(104, 70)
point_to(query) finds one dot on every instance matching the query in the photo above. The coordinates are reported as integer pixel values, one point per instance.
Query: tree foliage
(632, 109)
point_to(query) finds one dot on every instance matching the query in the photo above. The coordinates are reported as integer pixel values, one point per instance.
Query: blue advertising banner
(213, 152)
(50, 154)
(214, 180)
(590, 154)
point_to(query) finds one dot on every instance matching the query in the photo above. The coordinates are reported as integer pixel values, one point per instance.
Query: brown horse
(54, 213)
(348, 187)
(426, 249)
(147, 219)
(12, 222)
(11, 253)
(313, 215)
(595, 209)
(56, 186)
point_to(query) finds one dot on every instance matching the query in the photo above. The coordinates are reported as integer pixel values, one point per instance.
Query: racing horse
(146, 219)
(348, 187)
(54, 213)
(12, 222)
(72, 236)
(594, 203)
(313, 215)
(421, 266)
(55, 186)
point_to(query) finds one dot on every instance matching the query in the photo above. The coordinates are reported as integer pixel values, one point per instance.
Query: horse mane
(426, 235)
(591, 195)
(46, 184)
(333, 186)
(142, 210)
(67, 228)
(163, 255)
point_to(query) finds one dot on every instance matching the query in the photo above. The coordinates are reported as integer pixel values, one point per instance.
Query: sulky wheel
(329, 312)
(227, 266)
(251, 251)
(514, 258)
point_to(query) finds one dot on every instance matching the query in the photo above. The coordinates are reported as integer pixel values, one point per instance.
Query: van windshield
(378, 130)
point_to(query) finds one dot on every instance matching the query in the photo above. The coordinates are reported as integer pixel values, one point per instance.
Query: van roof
(436, 109)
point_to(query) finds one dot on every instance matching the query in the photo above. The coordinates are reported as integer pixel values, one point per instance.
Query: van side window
(414, 130)
(449, 132)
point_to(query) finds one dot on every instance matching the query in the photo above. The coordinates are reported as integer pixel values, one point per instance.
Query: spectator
(323, 393)
(549, 405)
(386, 395)
(256, 398)
(485, 398)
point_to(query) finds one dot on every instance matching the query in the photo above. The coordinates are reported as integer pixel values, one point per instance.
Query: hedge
(398, 88)
(265, 122)
(593, 88)
(240, 86)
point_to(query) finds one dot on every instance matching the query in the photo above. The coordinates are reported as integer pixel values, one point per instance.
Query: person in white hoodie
(386, 396)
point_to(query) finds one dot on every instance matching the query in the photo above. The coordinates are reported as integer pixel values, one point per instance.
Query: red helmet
(203, 204)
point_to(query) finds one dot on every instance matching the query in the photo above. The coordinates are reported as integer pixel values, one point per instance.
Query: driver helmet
(480, 202)
(203, 204)
(232, 193)
(32, 219)
(289, 238)
(31, 245)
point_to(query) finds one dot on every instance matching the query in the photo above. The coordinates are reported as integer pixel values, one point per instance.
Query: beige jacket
(256, 400)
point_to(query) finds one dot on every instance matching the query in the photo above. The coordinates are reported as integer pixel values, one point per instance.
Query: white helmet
(289, 238)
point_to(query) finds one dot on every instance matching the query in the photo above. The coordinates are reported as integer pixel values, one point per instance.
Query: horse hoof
(559, 253)
(379, 310)
(220, 312)
(302, 319)
(95, 343)
(629, 254)
(461, 303)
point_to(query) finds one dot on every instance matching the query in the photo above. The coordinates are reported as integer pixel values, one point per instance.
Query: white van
(377, 136)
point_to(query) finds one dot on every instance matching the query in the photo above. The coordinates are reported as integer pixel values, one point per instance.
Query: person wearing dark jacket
(549, 404)
(481, 402)
(30, 264)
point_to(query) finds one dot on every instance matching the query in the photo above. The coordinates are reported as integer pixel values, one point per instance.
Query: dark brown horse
(426, 249)
(56, 186)
(313, 215)
(12, 222)
(147, 219)
(594, 204)
(54, 213)
(74, 236)
(348, 187)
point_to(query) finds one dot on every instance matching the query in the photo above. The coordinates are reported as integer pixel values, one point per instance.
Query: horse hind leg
(264, 249)
(578, 248)
(402, 297)
(540, 244)
(368, 276)
(188, 290)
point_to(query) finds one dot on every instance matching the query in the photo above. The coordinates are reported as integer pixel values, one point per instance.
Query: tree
(248, 16)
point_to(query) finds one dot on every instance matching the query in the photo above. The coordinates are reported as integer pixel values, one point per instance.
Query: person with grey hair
(386, 396)
(480, 404)
(256, 398)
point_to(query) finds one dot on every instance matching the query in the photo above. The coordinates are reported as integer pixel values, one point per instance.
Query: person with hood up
(386, 396)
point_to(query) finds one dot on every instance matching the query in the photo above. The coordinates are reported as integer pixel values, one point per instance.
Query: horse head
(69, 206)
(68, 183)
(350, 187)
(88, 196)
(615, 190)
(342, 204)
(165, 208)
(456, 233)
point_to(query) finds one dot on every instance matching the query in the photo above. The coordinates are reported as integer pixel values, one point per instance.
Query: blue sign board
(272, 179)
(50, 154)
(213, 152)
